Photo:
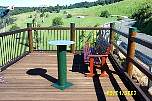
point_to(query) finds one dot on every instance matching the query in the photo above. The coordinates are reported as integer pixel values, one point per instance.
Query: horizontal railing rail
(130, 54)
(143, 42)
(13, 32)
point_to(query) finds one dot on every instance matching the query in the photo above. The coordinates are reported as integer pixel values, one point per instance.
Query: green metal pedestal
(62, 69)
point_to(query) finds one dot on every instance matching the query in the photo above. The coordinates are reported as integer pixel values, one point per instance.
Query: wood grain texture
(21, 86)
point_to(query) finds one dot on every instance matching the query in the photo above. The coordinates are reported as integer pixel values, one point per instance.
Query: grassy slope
(126, 7)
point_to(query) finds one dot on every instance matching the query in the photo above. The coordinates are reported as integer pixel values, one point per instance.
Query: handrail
(91, 28)
(50, 28)
(12, 32)
(121, 33)
(143, 42)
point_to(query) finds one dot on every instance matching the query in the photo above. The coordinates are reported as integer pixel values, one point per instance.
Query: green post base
(62, 87)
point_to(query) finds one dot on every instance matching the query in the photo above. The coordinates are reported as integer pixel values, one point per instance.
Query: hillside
(126, 7)
(91, 14)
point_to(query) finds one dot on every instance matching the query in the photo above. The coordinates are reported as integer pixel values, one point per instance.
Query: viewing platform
(29, 65)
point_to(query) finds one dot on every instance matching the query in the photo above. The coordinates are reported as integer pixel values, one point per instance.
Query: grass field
(125, 8)
(88, 21)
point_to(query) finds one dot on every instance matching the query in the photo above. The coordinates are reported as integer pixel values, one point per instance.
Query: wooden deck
(21, 86)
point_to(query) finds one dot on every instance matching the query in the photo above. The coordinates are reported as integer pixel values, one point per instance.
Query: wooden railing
(130, 56)
(13, 46)
(16, 44)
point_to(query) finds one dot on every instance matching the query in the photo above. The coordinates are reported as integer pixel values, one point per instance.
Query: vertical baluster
(21, 48)
(67, 34)
(60, 34)
(25, 40)
(48, 39)
(9, 49)
(4, 38)
(43, 40)
(1, 50)
(76, 39)
(12, 46)
(79, 40)
(57, 34)
(19, 45)
(64, 35)
(16, 45)
(54, 39)
(40, 41)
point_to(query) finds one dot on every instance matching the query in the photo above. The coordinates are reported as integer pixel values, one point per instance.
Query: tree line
(57, 8)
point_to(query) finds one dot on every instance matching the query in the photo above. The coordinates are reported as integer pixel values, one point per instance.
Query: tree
(14, 27)
(69, 16)
(42, 16)
(57, 21)
(65, 12)
(143, 18)
(105, 14)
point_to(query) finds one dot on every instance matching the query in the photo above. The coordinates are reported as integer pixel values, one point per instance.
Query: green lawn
(88, 21)
(125, 8)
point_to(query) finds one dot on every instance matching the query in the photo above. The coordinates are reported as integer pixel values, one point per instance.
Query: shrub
(47, 15)
(57, 21)
(14, 27)
(143, 16)
(42, 15)
(105, 14)
(30, 16)
(58, 11)
(119, 18)
(65, 12)
(69, 16)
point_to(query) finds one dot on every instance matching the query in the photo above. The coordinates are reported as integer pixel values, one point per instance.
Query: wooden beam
(131, 50)
(30, 38)
(72, 38)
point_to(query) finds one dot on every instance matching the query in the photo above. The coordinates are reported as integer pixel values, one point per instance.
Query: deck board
(23, 87)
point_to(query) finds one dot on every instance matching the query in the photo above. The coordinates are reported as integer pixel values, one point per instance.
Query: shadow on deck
(31, 79)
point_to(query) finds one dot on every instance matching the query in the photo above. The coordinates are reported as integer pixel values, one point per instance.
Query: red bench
(97, 55)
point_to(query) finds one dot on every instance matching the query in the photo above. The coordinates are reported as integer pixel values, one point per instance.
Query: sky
(31, 3)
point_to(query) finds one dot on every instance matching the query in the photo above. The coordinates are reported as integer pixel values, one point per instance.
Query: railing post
(72, 36)
(131, 50)
(112, 33)
(30, 39)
